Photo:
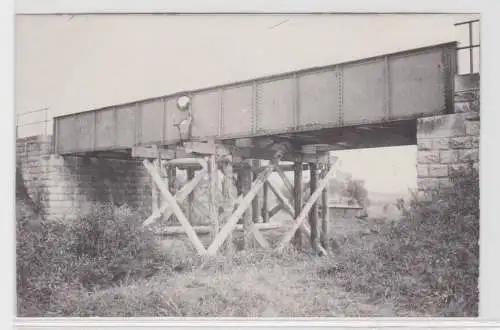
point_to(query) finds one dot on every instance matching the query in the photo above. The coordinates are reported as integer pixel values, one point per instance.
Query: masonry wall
(67, 186)
(449, 142)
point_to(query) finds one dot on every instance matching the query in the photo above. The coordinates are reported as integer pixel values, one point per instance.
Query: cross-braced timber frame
(226, 208)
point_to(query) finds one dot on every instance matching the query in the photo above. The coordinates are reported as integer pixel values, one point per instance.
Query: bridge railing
(468, 49)
(34, 122)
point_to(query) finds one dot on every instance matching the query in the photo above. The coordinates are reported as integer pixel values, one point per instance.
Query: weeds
(99, 250)
(428, 261)
(105, 264)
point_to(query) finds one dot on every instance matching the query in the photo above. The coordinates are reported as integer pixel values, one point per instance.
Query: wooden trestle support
(226, 208)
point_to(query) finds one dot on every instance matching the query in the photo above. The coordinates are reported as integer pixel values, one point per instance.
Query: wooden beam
(179, 197)
(172, 179)
(177, 210)
(282, 200)
(313, 213)
(245, 178)
(176, 230)
(275, 210)
(291, 167)
(154, 191)
(205, 148)
(325, 217)
(228, 193)
(320, 158)
(286, 206)
(190, 173)
(307, 207)
(188, 161)
(214, 185)
(233, 219)
(285, 179)
(256, 209)
(265, 202)
(297, 200)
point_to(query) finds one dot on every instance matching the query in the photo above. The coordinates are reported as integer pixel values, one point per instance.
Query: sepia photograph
(247, 165)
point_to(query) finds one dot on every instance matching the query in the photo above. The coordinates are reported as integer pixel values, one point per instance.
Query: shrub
(429, 261)
(97, 250)
(117, 245)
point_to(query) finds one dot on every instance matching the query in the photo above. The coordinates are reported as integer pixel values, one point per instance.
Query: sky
(69, 64)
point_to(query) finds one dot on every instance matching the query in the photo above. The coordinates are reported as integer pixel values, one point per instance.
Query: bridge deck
(366, 103)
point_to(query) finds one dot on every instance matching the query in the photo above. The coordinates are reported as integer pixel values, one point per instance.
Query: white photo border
(490, 228)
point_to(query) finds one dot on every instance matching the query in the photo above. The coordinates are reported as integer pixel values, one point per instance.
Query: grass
(252, 284)
(423, 264)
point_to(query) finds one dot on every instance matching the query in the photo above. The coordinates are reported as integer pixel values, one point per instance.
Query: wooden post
(325, 211)
(313, 213)
(297, 199)
(245, 175)
(238, 213)
(305, 210)
(173, 204)
(190, 214)
(154, 190)
(229, 194)
(172, 177)
(256, 211)
(265, 207)
(213, 172)
(165, 211)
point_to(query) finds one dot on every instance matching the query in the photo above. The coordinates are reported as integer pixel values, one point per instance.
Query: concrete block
(467, 155)
(445, 184)
(466, 82)
(61, 204)
(55, 160)
(428, 184)
(464, 105)
(475, 141)
(472, 127)
(438, 170)
(448, 156)
(463, 142)
(56, 190)
(458, 167)
(422, 170)
(428, 157)
(444, 126)
(442, 143)
(476, 166)
(424, 144)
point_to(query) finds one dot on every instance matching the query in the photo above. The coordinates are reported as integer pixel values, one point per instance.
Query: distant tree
(356, 190)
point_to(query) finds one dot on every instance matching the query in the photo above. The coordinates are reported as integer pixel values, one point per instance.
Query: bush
(428, 262)
(97, 250)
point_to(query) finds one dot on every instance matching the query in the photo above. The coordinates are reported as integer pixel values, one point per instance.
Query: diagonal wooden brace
(175, 207)
(179, 197)
(307, 207)
(245, 203)
(288, 208)
(253, 229)
(275, 210)
(286, 181)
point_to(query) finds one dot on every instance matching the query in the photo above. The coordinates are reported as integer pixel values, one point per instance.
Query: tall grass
(98, 250)
(428, 262)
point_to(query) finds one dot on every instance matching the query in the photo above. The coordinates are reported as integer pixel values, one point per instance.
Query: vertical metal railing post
(43, 122)
(471, 44)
